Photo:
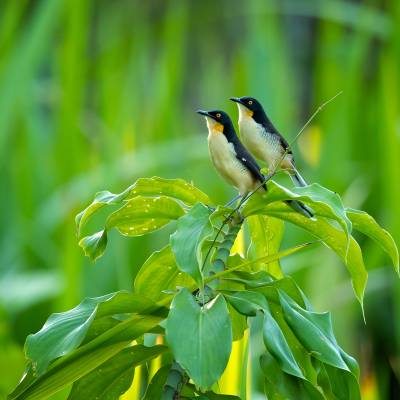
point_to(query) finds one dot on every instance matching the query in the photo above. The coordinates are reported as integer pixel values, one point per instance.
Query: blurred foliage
(94, 95)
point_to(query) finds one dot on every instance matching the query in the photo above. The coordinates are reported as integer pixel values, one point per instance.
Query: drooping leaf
(311, 335)
(94, 245)
(81, 361)
(200, 337)
(323, 202)
(101, 199)
(114, 377)
(158, 273)
(333, 238)
(279, 385)
(187, 242)
(142, 215)
(64, 332)
(276, 344)
(343, 384)
(248, 303)
(266, 235)
(364, 223)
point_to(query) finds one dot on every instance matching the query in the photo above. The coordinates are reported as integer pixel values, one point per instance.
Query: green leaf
(247, 302)
(266, 235)
(187, 242)
(154, 187)
(277, 345)
(95, 245)
(156, 386)
(158, 273)
(343, 384)
(142, 215)
(364, 223)
(176, 188)
(279, 385)
(200, 337)
(311, 334)
(101, 199)
(323, 202)
(81, 361)
(114, 377)
(333, 238)
(64, 332)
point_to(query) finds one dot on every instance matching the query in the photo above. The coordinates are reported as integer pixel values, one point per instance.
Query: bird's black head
(250, 103)
(217, 120)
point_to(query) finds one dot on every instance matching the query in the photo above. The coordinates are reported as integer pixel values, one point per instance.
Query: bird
(232, 160)
(263, 140)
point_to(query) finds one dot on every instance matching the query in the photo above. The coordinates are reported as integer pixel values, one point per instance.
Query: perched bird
(233, 162)
(263, 140)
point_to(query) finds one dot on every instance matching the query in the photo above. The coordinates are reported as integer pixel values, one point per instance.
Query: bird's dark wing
(248, 161)
(270, 128)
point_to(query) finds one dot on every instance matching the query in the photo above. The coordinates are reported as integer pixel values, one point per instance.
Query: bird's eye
(250, 102)
(218, 115)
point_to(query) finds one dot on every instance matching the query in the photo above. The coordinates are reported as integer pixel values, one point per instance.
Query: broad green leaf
(333, 238)
(200, 337)
(247, 302)
(323, 202)
(114, 377)
(176, 188)
(94, 246)
(282, 386)
(81, 361)
(364, 223)
(142, 215)
(250, 279)
(311, 335)
(64, 332)
(187, 242)
(154, 187)
(158, 273)
(156, 386)
(266, 235)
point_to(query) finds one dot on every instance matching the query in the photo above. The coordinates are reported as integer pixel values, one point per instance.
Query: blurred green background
(94, 94)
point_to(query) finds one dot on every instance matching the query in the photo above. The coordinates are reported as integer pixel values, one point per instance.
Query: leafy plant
(190, 293)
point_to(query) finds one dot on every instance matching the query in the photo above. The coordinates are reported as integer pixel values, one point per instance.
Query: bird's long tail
(297, 179)
(300, 207)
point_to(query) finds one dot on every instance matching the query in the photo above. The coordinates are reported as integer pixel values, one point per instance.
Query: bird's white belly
(261, 144)
(228, 166)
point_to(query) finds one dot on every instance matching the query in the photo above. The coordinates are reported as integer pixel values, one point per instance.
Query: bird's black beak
(202, 112)
(236, 99)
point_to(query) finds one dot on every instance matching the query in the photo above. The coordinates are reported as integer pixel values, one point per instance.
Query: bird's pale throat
(214, 126)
